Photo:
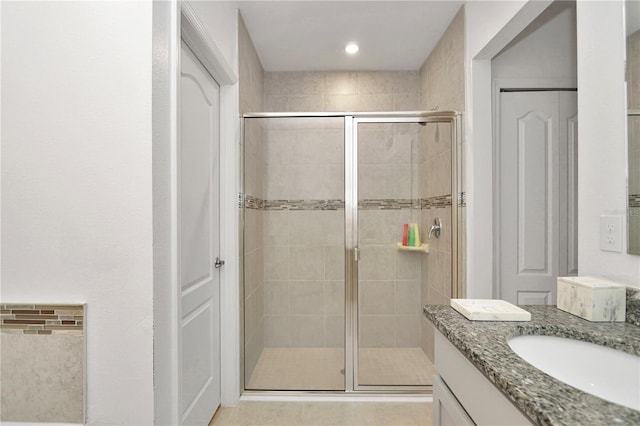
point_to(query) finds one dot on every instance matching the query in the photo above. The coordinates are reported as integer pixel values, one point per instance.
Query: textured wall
(442, 86)
(251, 100)
(77, 183)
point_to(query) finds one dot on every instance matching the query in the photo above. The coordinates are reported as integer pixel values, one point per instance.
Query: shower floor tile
(323, 368)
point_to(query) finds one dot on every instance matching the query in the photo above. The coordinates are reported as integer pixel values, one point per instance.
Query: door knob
(218, 263)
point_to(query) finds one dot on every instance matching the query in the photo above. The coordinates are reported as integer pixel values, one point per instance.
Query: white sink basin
(601, 371)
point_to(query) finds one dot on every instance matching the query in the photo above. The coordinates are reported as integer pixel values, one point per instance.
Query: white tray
(489, 310)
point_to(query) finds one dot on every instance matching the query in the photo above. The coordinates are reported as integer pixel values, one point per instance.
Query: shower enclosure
(332, 301)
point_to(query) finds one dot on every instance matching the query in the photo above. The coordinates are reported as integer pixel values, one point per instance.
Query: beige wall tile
(341, 103)
(276, 146)
(334, 266)
(375, 146)
(408, 330)
(276, 227)
(277, 331)
(334, 298)
(307, 263)
(379, 102)
(307, 331)
(276, 263)
(377, 331)
(42, 378)
(276, 83)
(307, 297)
(276, 180)
(376, 297)
(276, 298)
(407, 297)
(321, 147)
(306, 228)
(377, 263)
(334, 331)
(375, 181)
(305, 83)
(341, 83)
(375, 82)
(305, 102)
(253, 270)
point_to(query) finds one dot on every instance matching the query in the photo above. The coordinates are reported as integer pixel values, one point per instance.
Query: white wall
(489, 27)
(76, 184)
(219, 19)
(545, 50)
(602, 170)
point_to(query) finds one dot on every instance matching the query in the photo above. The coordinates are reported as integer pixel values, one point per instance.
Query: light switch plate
(611, 233)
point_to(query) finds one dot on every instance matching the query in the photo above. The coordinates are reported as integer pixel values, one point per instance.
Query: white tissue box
(593, 299)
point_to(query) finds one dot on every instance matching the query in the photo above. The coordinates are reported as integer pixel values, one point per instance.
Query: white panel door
(199, 241)
(535, 175)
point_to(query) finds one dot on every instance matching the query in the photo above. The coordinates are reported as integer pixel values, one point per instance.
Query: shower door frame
(351, 121)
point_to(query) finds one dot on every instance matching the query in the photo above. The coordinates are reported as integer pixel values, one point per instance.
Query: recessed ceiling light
(351, 48)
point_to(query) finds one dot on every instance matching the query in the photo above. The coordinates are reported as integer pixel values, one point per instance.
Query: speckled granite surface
(543, 399)
(633, 306)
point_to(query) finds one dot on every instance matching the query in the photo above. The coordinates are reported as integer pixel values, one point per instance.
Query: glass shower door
(294, 253)
(390, 333)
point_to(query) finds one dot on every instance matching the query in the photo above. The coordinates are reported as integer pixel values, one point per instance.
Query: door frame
(497, 85)
(173, 21)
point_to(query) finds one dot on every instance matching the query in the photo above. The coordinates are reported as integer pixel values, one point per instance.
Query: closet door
(537, 192)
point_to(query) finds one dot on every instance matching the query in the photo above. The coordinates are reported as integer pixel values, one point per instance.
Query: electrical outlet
(610, 233)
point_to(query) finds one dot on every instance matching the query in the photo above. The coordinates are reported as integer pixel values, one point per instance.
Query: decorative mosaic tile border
(389, 204)
(255, 203)
(634, 200)
(303, 204)
(41, 319)
(435, 202)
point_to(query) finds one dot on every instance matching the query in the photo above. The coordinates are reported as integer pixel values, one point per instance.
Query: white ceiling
(311, 35)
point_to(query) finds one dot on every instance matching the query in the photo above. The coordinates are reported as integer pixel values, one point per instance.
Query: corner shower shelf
(424, 248)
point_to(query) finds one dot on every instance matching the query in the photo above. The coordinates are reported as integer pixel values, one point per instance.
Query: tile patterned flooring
(324, 413)
(321, 368)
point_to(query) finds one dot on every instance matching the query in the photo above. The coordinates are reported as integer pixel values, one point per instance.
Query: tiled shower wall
(251, 100)
(442, 86)
(304, 233)
(389, 280)
(633, 103)
(304, 265)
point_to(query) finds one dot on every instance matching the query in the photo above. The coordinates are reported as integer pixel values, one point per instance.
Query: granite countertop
(543, 399)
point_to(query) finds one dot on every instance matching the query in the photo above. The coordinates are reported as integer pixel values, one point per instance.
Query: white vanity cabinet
(463, 396)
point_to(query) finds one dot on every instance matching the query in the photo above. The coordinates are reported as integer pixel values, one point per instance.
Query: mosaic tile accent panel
(633, 306)
(254, 203)
(303, 204)
(388, 204)
(42, 363)
(634, 200)
(41, 319)
(367, 204)
(435, 202)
